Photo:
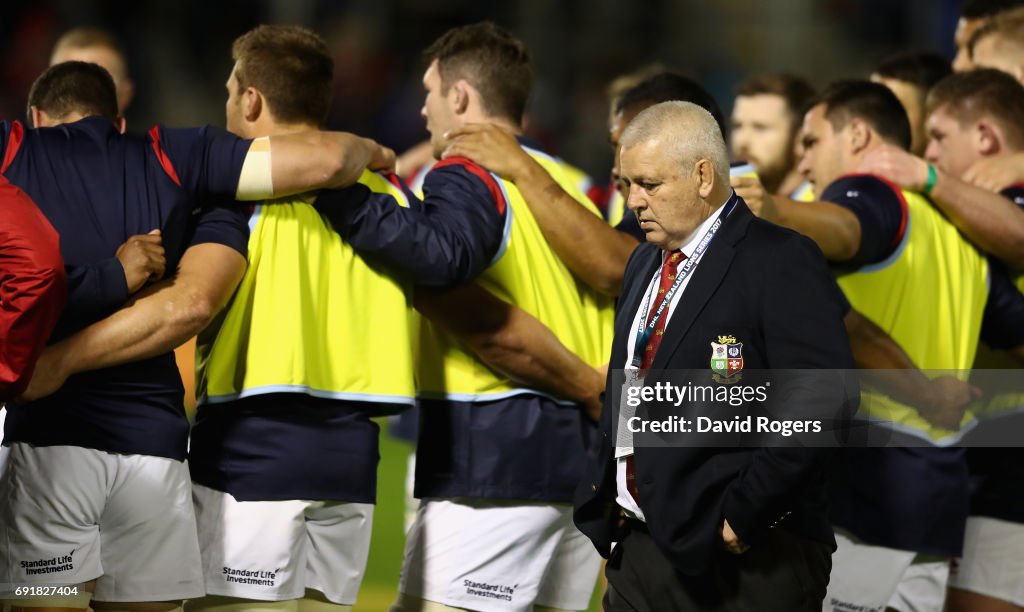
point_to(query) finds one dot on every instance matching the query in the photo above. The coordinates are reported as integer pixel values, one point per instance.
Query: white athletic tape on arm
(256, 181)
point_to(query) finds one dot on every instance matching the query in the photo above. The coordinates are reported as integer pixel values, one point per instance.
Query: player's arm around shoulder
(154, 322)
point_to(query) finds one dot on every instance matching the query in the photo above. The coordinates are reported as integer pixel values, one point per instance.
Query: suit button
(593, 488)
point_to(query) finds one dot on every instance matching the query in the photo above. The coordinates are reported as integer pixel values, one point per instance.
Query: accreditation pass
(623, 436)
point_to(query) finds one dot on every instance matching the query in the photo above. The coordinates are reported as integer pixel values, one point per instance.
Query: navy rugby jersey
(97, 188)
(444, 240)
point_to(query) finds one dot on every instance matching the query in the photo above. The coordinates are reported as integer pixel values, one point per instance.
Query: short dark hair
(70, 87)
(669, 87)
(291, 66)
(794, 90)
(969, 96)
(922, 69)
(490, 58)
(624, 82)
(873, 103)
(981, 9)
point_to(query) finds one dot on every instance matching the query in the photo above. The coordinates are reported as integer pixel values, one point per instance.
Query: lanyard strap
(644, 332)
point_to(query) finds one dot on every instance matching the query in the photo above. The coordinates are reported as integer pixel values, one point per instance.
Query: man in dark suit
(701, 528)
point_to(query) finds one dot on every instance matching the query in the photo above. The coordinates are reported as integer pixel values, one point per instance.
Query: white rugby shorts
(496, 555)
(69, 515)
(275, 550)
(993, 560)
(872, 578)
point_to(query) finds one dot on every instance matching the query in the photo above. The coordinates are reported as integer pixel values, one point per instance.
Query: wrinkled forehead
(643, 154)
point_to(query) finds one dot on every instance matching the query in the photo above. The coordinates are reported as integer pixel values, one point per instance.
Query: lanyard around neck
(644, 332)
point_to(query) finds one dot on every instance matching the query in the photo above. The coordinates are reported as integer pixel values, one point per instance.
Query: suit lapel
(708, 275)
(631, 301)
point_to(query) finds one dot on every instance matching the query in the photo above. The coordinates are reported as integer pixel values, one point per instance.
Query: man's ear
(705, 173)
(36, 117)
(461, 92)
(858, 134)
(252, 104)
(988, 138)
(126, 93)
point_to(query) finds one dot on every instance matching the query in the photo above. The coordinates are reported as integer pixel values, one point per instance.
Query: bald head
(688, 132)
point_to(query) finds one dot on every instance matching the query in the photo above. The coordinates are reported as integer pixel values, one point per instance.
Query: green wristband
(930, 183)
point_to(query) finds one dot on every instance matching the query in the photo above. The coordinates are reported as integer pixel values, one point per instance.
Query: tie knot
(674, 260)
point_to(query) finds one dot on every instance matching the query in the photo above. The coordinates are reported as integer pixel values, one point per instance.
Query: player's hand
(490, 146)
(593, 404)
(48, 376)
(142, 257)
(897, 166)
(761, 202)
(996, 173)
(947, 400)
(382, 159)
(731, 541)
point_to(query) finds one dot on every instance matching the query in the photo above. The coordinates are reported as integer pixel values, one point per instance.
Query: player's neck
(277, 128)
(502, 122)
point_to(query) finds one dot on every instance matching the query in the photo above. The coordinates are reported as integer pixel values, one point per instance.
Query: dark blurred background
(179, 51)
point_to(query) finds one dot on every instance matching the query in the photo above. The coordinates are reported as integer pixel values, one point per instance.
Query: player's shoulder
(457, 168)
(862, 187)
(463, 175)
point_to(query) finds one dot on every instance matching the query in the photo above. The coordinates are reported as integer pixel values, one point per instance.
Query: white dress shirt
(623, 498)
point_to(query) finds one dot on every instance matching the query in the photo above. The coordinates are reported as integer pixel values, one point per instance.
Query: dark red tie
(668, 277)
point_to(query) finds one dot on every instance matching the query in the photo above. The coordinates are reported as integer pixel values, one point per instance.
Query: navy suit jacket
(770, 288)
